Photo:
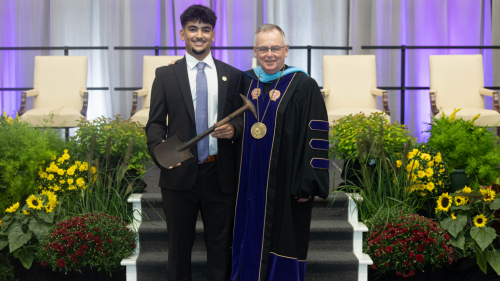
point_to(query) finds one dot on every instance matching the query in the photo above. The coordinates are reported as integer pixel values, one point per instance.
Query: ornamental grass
(407, 244)
(468, 216)
(97, 240)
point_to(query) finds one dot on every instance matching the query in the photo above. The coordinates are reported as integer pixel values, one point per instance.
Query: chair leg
(498, 131)
(66, 134)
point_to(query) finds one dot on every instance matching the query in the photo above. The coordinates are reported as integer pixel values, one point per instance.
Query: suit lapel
(222, 71)
(180, 69)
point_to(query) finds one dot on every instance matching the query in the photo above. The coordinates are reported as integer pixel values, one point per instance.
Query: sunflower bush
(467, 216)
(466, 146)
(428, 171)
(95, 240)
(406, 244)
(22, 228)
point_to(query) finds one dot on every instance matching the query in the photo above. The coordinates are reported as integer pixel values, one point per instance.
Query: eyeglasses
(265, 50)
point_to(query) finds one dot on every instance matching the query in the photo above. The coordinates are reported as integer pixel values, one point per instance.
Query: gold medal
(255, 93)
(259, 130)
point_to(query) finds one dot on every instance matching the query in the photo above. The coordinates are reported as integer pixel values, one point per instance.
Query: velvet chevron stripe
(320, 163)
(318, 125)
(319, 144)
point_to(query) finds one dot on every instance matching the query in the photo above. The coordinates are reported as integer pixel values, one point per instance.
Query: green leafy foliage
(6, 269)
(466, 146)
(23, 228)
(346, 130)
(96, 240)
(22, 147)
(112, 139)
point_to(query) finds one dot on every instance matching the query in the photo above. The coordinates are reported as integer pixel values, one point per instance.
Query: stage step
(335, 246)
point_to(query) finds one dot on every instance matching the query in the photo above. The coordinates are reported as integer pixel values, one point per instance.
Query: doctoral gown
(271, 231)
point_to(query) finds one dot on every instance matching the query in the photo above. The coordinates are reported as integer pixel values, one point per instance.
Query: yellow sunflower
(34, 202)
(12, 208)
(26, 212)
(480, 220)
(49, 208)
(466, 189)
(444, 202)
(460, 200)
(453, 216)
(429, 172)
(0, 222)
(488, 194)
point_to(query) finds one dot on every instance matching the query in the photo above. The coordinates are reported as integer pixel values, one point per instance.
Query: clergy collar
(266, 78)
(192, 61)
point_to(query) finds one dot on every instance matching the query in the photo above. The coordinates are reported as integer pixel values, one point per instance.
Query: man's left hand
(302, 200)
(224, 132)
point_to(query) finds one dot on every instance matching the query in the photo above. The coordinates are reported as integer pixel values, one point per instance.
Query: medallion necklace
(258, 129)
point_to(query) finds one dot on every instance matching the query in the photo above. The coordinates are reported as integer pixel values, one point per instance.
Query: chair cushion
(334, 114)
(63, 117)
(488, 117)
(141, 117)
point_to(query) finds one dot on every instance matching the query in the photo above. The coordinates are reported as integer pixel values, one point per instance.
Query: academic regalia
(271, 231)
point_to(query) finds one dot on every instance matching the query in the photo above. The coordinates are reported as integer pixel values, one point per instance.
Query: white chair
(350, 86)
(457, 81)
(60, 87)
(151, 63)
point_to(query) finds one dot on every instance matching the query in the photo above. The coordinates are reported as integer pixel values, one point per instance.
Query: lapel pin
(224, 78)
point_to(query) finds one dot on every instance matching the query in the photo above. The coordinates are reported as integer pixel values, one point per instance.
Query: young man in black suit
(194, 93)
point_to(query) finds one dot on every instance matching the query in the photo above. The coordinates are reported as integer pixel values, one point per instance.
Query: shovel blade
(167, 153)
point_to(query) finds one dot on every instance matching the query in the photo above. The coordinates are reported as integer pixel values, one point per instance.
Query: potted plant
(345, 132)
(471, 150)
(406, 245)
(467, 216)
(429, 175)
(22, 148)
(95, 241)
(23, 227)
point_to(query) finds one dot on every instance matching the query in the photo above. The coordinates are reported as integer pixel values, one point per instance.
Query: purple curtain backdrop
(156, 22)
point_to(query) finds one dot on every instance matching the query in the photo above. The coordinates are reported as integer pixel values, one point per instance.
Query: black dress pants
(217, 209)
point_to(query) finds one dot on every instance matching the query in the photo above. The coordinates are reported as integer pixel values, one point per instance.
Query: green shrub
(466, 146)
(22, 149)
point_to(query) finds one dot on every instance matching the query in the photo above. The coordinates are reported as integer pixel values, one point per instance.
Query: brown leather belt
(211, 158)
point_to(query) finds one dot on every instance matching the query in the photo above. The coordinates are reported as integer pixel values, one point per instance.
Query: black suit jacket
(171, 96)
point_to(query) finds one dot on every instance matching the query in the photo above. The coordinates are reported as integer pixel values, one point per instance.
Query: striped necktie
(202, 110)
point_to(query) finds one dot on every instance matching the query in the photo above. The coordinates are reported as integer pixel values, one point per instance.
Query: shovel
(174, 150)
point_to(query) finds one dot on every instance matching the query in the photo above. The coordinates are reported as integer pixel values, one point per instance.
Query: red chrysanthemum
(61, 263)
(43, 263)
(420, 258)
(388, 249)
(79, 253)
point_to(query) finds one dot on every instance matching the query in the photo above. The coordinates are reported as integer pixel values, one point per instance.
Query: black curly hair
(200, 13)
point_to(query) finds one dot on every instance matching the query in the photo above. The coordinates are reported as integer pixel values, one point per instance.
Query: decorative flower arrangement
(467, 216)
(22, 148)
(22, 227)
(113, 137)
(96, 240)
(63, 175)
(466, 146)
(406, 244)
(427, 171)
(345, 131)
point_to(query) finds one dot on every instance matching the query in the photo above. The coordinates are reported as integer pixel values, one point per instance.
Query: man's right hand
(170, 168)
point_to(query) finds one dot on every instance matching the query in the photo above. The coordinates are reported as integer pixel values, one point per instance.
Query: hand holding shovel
(174, 150)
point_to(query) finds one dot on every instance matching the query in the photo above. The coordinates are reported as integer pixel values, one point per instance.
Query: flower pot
(458, 180)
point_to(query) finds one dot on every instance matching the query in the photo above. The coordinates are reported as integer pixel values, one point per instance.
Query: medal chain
(258, 79)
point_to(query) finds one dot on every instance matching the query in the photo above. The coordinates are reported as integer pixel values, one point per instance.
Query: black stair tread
(337, 257)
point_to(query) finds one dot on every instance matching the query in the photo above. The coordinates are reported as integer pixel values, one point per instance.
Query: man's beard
(198, 52)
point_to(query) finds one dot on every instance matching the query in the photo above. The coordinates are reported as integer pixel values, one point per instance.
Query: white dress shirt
(213, 92)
